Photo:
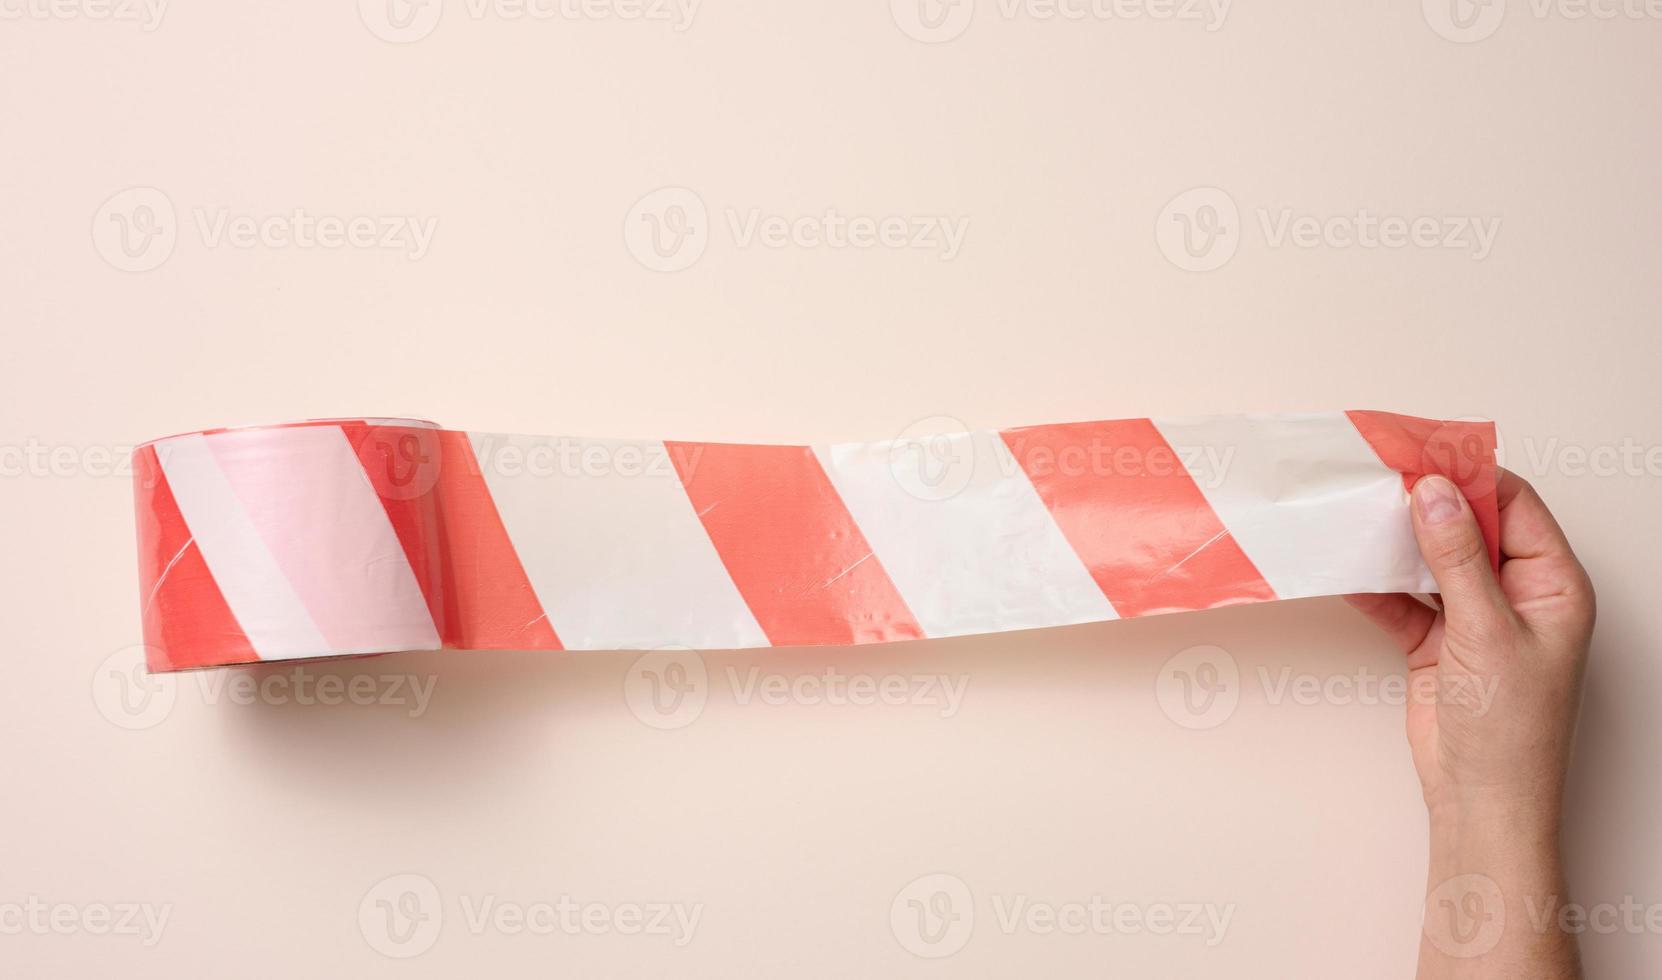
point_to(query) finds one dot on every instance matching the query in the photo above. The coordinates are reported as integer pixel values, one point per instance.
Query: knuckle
(1581, 600)
(1480, 641)
(1461, 551)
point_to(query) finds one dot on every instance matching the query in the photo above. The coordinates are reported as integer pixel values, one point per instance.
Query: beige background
(262, 828)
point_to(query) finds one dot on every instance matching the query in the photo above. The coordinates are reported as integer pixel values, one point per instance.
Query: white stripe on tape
(256, 590)
(963, 534)
(1307, 499)
(611, 544)
(330, 535)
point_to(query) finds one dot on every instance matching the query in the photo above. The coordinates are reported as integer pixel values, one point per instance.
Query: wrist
(1473, 816)
(1516, 839)
(1494, 880)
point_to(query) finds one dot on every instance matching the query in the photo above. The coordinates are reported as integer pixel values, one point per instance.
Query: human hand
(1497, 672)
(1496, 676)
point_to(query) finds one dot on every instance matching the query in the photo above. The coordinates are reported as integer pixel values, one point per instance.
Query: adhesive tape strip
(352, 536)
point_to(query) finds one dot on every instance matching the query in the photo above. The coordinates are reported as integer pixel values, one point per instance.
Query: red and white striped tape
(344, 537)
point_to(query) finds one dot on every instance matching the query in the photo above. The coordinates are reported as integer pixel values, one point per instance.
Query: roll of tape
(342, 537)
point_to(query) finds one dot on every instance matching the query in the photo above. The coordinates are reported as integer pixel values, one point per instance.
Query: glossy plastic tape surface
(344, 537)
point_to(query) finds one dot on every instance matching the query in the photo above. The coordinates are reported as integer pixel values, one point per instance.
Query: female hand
(1496, 676)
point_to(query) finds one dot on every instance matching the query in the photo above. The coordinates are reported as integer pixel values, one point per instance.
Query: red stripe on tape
(790, 545)
(187, 622)
(1134, 515)
(1464, 452)
(402, 464)
(488, 600)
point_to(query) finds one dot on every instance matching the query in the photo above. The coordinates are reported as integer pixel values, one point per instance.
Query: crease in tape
(342, 537)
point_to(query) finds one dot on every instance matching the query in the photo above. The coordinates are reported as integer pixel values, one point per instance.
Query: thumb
(1453, 547)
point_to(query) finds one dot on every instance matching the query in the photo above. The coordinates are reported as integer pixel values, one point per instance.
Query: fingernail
(1437, 500)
